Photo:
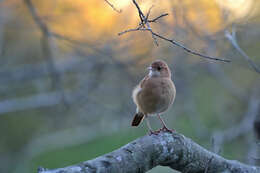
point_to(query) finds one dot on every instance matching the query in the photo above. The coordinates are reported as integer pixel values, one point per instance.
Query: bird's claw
(165, 129)
(155, 132)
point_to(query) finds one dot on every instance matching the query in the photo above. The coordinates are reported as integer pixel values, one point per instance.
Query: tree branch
(172, 150)
(232, 38)
(145, 26)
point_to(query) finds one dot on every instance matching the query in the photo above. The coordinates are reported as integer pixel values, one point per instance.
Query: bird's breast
(156, 95)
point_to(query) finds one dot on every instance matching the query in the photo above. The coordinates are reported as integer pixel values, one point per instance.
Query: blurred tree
(84, 50)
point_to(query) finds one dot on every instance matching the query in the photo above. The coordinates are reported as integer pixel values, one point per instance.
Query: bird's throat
(153, 73)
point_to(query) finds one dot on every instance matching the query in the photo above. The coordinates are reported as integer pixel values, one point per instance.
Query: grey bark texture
(165, 149)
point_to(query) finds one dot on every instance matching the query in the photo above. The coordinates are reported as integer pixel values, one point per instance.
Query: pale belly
(156, 98)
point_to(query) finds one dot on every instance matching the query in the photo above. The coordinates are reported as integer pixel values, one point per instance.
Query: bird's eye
(159, 68)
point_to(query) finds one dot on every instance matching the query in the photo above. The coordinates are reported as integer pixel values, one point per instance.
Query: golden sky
(92, 19)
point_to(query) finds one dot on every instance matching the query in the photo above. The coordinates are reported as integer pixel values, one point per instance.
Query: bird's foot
(155, 132)
(165, 129)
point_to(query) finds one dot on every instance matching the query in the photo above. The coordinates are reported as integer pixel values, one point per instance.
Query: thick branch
(172, 150)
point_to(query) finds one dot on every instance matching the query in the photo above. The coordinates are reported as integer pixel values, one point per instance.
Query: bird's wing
(144, 81)
(138, 89)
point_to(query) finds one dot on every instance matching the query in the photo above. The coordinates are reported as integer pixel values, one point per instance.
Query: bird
(154, 95)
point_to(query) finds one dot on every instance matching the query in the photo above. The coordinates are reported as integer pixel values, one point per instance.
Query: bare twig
(155, 19)
(175, 43)
(130, 30)
(149, 11)
(113, 7)
(232, 38)
(144, 21)
(188, 49)
(145, 26)
(141, 14)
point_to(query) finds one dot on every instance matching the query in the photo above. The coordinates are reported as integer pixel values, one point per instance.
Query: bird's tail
(138, 118)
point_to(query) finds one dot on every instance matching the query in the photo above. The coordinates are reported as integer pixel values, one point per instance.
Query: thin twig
(188, 49)
(175, 43)
(144, 20)
(141, 15)
(113, 7)
(130, 30)
(153, 36)
(149, 11)
(155, 19)
(145, 26)
(232, 38)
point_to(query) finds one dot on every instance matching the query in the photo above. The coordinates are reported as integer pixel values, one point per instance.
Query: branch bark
(165, 149)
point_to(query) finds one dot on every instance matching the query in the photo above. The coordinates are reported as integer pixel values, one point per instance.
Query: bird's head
(159, 68)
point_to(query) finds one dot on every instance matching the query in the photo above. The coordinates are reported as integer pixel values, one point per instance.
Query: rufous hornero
(154, 95)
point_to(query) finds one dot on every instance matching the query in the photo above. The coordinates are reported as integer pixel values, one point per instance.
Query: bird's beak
(149, 68)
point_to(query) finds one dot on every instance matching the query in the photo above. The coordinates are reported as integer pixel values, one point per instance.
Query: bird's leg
(165, 128)
(151, 132)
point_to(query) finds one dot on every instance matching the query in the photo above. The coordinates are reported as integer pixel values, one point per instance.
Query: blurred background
(66, 78)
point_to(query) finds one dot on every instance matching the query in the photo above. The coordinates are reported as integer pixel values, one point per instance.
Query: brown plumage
(154, 94)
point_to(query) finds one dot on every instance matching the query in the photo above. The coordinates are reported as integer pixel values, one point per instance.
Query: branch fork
(144, 25)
